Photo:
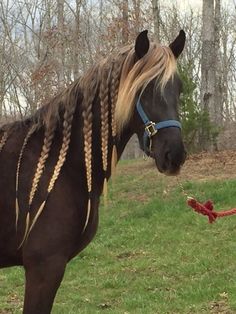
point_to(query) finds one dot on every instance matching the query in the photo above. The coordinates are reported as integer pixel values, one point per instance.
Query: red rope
(207, 209)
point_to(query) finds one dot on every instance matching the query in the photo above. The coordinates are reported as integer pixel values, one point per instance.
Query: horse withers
(55, 164)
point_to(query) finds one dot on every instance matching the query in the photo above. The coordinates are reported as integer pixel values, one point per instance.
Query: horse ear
(177, 45)
(142, 44)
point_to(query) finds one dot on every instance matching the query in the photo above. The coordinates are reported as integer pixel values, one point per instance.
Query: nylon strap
(151, 128)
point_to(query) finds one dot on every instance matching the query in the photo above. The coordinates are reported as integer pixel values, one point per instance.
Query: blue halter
(151, 128)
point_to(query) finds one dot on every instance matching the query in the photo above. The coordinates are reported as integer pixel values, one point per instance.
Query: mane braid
(26, 139)
(89, 94)
(114, 94)
(49, 135)
(67, 126)
(3, 140)
(104, 101)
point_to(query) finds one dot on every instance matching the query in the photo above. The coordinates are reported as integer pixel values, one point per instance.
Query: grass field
(152, 253)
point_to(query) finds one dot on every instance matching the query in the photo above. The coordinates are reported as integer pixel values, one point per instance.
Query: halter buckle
(150, 129)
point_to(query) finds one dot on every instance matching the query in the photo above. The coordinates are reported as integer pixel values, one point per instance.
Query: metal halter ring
(150, 129)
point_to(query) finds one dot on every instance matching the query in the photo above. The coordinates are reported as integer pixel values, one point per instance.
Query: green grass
(152, 254)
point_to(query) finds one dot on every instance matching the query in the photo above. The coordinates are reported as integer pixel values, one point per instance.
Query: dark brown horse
(55, 165)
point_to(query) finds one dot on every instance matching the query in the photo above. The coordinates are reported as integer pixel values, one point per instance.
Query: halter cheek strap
(151, 128)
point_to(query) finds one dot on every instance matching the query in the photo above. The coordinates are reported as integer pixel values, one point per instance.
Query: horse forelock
(158, 63)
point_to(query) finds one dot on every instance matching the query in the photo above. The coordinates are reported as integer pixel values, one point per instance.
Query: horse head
(155, 110)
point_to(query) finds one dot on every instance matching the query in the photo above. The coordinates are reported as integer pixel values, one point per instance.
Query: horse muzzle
(169, 160)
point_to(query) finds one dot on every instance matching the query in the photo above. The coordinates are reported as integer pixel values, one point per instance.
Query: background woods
(46, 44)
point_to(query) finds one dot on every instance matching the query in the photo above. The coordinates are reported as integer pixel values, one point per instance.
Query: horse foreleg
(42, 281)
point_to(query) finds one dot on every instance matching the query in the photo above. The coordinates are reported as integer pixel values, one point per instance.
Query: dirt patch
(206, 166)
(221, 306)
(200, 167)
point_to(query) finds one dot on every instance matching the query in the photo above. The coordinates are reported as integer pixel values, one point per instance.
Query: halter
(151, 128)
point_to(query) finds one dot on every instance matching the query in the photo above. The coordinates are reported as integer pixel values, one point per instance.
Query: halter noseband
(151, 128)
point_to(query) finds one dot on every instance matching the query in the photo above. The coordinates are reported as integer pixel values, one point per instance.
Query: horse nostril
(173, 158)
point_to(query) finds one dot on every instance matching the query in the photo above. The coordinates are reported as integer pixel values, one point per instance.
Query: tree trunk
(156, 18)
(208, 71)
(77, 40)
(125, 22)
(137, 13)
(61, 52)
(225, 74)
(218, 69)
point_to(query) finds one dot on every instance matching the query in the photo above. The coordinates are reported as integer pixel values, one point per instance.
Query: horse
(55, 164)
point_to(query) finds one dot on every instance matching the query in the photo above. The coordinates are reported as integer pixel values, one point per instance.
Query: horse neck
(77, 141)
(125, 136)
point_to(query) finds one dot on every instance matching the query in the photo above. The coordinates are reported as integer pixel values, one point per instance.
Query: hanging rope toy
(207, 209)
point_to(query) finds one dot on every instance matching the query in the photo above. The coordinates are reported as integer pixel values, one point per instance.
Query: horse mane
(127, 79)
(117, 80)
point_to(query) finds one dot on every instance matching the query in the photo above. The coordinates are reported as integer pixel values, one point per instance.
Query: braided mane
(117, 80)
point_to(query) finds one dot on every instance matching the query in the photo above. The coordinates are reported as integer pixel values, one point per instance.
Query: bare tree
(208, 69)
(125, 21)
(156, 18)
(218, 95)
(60, 45)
